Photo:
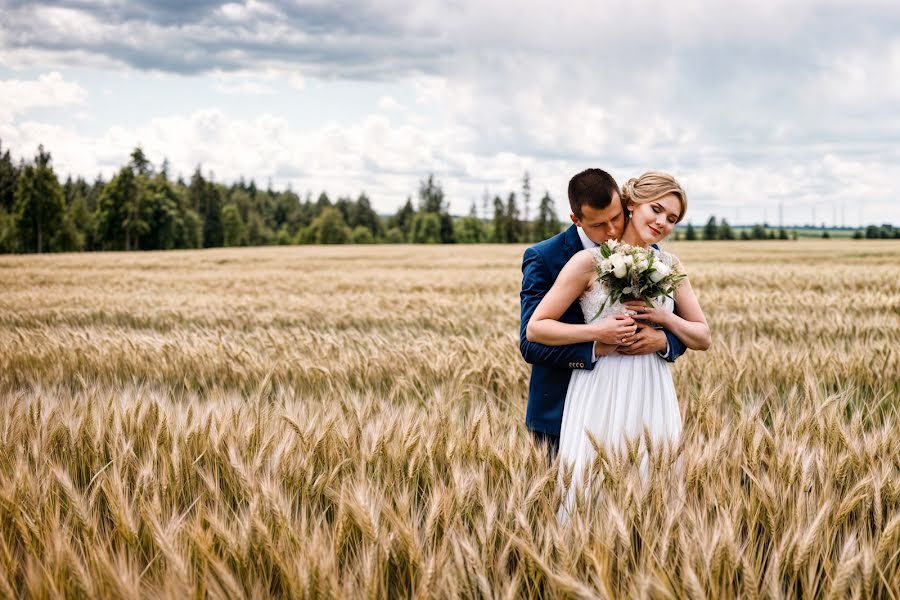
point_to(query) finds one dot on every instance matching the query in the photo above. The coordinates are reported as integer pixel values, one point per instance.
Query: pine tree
(513, 224)
(711, 230)
(113, 210)
(8, 177)
(197, 191)
(546, 224)
(431, 196)
(499, 227)
(690, 234)
(39, 203)
(9, 237)
(136, 222)
(139, 162)
(212, 219)
(286, 211)
(344, 205)
(81, 218)
(431, 200)
(404, 218)
(363, 215)
(322, 202)
(526, 203)
(725, 232)
(165, 214)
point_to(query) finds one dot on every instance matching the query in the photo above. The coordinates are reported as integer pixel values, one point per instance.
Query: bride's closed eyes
(658, 209)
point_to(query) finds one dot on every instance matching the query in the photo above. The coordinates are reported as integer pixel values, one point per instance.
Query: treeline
(143, 208)
(721, 230)
(876, 232)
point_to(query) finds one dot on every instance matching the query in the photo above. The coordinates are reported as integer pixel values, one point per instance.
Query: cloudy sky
(753, 105)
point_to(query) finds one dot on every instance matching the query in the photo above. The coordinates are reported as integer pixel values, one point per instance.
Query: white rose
(611, 244)
(629, 259)
(660, 272)
(641, 265)
(606, 265)
(618, 265)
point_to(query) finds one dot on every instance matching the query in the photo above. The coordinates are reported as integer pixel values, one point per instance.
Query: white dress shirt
(586, 243)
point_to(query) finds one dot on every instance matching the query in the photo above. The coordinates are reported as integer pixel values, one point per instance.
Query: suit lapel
(572, 243)
(571, 246)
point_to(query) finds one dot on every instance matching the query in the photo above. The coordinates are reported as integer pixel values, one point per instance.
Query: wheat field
(332, 422)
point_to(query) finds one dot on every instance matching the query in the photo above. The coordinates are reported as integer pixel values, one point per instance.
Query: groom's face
(602, 224)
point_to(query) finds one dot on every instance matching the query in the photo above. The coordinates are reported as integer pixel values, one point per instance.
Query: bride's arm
(544, 327)
(689, 325)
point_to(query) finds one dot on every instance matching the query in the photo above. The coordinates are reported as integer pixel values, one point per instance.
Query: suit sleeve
(676, 347)
(536, 282)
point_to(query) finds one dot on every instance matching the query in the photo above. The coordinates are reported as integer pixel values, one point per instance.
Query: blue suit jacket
(552, 365)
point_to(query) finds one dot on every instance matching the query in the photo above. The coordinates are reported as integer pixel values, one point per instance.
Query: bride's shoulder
(584, 260)
(587, 256)
(667, 257)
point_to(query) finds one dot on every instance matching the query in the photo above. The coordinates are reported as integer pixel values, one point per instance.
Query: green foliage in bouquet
(634, 272)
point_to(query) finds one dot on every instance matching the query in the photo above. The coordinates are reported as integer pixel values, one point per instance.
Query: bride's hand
(646, 314)
(614, 330)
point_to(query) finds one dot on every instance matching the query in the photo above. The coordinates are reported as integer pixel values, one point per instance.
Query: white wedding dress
(615, 400)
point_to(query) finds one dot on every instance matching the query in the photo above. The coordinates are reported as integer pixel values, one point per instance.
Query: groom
(597, 216)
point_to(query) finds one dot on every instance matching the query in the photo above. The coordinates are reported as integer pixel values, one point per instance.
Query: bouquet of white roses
(633, 272)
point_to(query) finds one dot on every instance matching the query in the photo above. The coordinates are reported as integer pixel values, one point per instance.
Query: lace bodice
(592, 300)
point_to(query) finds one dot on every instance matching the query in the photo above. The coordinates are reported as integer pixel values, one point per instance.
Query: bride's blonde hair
(651, 186)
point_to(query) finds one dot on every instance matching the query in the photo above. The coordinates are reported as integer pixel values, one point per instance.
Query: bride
(623, 394)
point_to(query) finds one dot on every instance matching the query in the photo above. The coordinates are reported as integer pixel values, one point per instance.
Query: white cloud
(250, 88)
(48, 90)
(240, 12)
(387, 159)
(751, 104)
(389, 103)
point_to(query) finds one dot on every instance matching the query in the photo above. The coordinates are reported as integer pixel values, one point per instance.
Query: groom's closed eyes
(607, 223)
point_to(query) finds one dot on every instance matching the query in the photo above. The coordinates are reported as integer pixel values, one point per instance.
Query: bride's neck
(631, 238)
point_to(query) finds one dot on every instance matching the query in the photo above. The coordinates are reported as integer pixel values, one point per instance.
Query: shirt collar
(586, 242)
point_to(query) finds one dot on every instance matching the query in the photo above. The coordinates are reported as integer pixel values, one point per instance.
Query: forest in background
(143, 208)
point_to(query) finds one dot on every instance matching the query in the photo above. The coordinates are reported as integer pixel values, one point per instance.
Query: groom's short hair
(594, 187)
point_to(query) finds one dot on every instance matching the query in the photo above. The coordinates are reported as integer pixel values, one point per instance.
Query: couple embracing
(599, 365)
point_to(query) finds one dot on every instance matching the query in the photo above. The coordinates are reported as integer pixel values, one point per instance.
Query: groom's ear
(574, 218)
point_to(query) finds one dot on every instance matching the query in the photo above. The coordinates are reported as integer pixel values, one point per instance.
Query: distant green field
(801, 233)
(807, 233)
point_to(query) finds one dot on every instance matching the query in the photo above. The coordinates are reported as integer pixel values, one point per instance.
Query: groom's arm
(536, 282)
(674, 347)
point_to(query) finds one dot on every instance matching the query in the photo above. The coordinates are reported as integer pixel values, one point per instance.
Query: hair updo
(651, 186)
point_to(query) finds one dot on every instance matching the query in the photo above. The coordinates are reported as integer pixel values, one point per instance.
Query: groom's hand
(646, 340)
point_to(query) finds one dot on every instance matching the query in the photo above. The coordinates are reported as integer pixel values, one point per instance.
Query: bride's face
(655, 220)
